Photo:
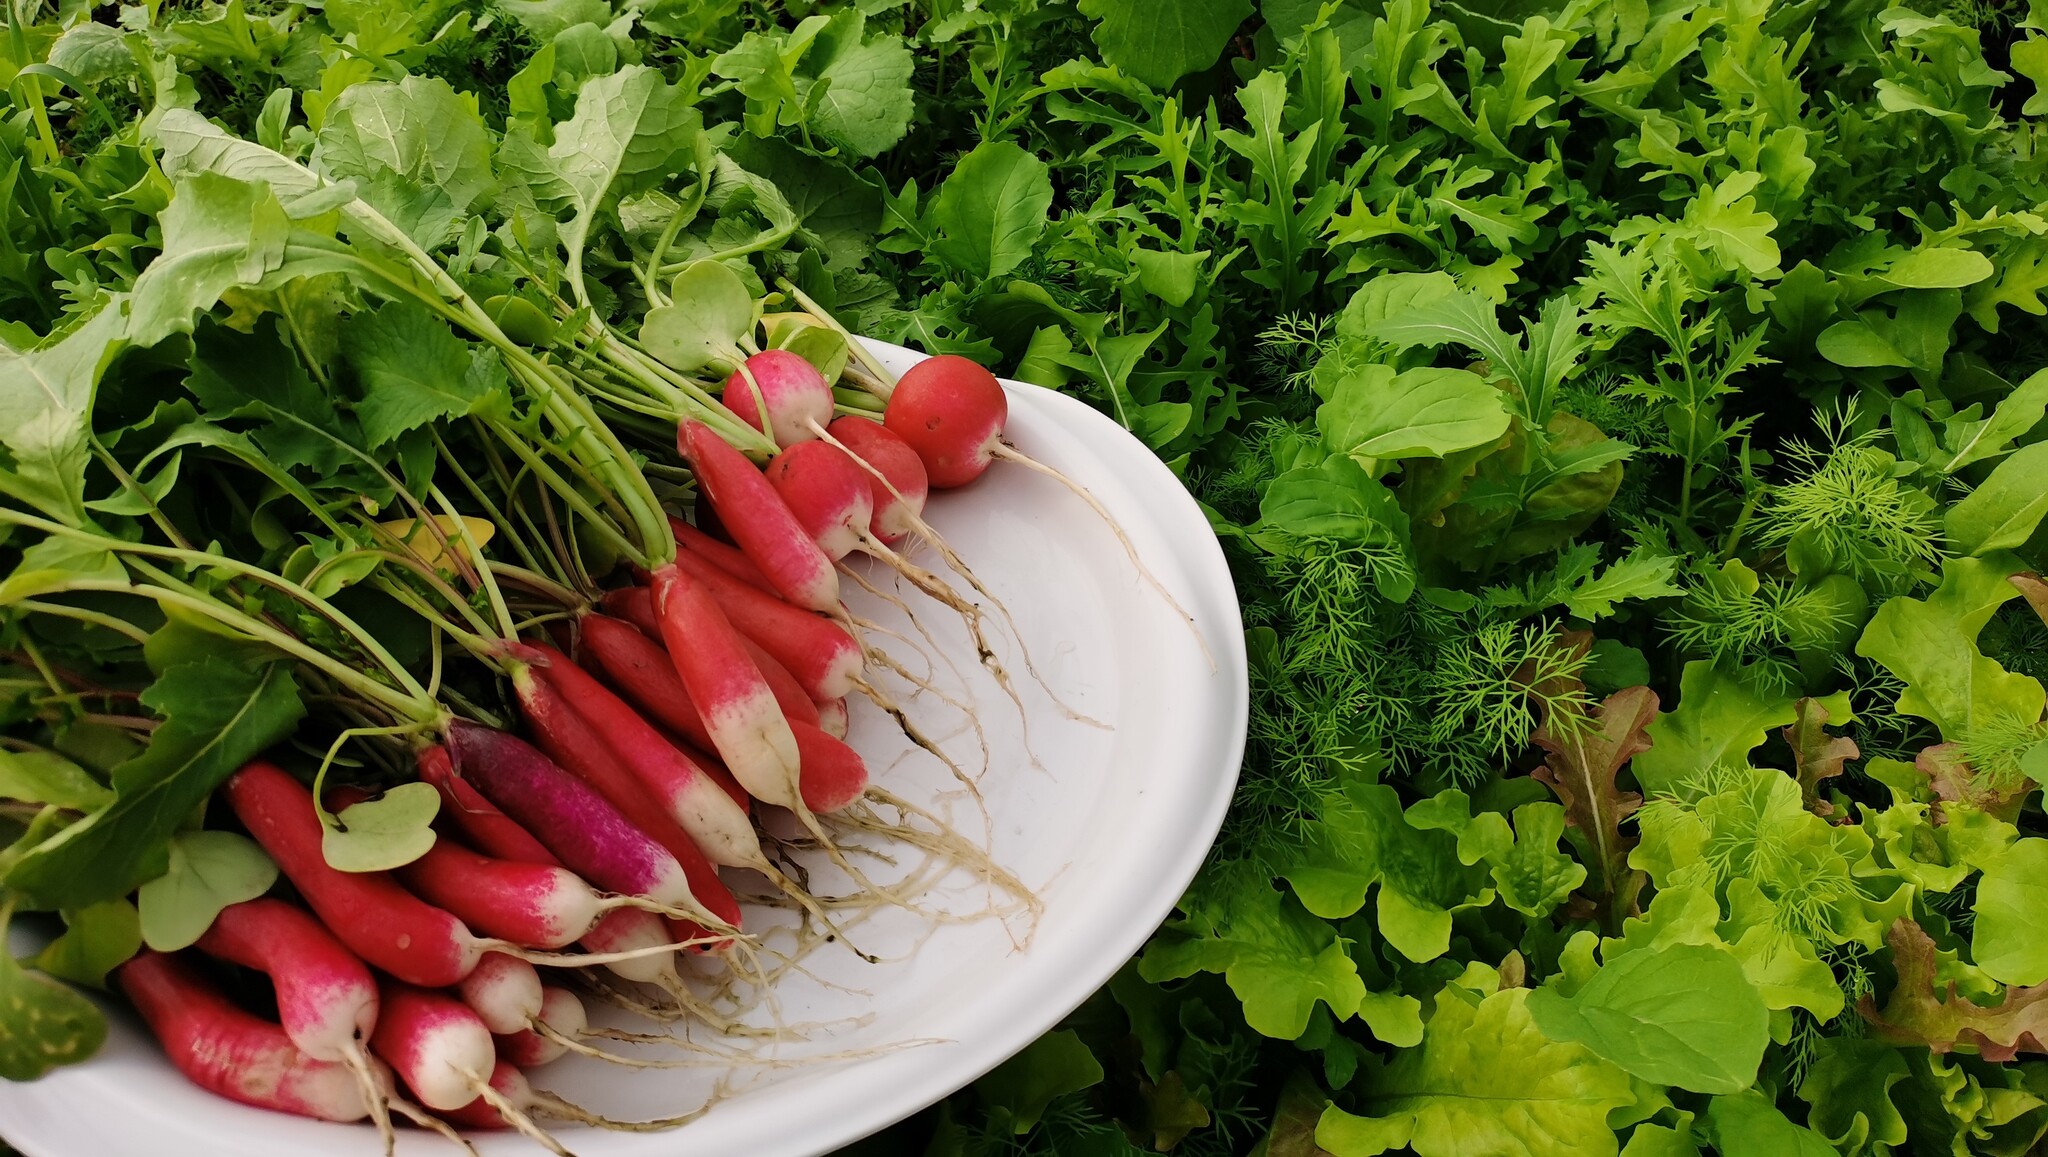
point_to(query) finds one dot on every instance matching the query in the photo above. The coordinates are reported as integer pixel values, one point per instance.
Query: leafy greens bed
(1624, 420)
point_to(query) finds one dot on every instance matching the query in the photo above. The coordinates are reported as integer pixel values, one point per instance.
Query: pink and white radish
(826, 661)
(895, 474)
(747, 728)
(229, 1052)
(532, 905)
(563, 1016)
(780, 394)
(758, 521)
(504, 992)
(833, 718)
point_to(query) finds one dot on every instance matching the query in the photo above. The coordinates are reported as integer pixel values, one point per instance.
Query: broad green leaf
(1683, 1015)
(1334, 499)
(387, 832)
(60, 559)
(258, 375)
(1719, 720)
(1377, 414)
(209, 871)
(2004, 512)
(1943, 267)
(1931, 646)
(410, 145)
(194, 146)
(1171, 276)
(710, 311)
(1279, 960)
(43, 1024)
(1748, 1123)
(1361, 840)
(1160, 43)
(48, 778)
(46, 395)
(1530, 871)
(860, 98)
(413, 370)
(1484, 1080)
(217, 716)
(96, 940)
(219, 232)
(991, 209)
(1850, 1088)
(1854, 344)
(1050, 1067)
(2008, 939)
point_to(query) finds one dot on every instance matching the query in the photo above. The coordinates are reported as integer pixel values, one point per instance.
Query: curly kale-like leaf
(1816, 755)
(1916, 1014)
(1586, 757)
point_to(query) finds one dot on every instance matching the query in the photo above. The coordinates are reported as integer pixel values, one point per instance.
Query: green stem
(110, 622)
(582, 507)
(884, 380)
(483, 567)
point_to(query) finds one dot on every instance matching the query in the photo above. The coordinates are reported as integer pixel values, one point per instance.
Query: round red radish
(561, 1010)
(828, 493)
(899, 501)
(438, 1047)
(504, 992)
(796, 394)
(952, 412)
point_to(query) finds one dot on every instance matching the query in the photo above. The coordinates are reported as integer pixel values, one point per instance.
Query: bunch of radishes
(666, 712)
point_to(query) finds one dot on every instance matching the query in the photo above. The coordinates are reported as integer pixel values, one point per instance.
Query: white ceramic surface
(1108, 832)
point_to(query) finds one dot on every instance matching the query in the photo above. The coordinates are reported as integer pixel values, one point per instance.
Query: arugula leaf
(217, 716)
(2004, 512)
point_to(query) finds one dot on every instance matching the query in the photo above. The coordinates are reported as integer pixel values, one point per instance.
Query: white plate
(1108, 831)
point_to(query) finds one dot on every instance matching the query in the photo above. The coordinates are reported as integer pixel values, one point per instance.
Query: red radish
(795, 394)
(833, 774)
(504, 992)
(952, 412)
(436, 1045)
(481, 823)
(833, 718)
(635, 663)
(509, 1084)
(730, 559)
(828, 492)
(575, 821)
(561, 1011)
(826, 660)
(634, 607)
(717, 826)
(748, 730)
(226, 1051)
(758, 520)
(326, 997)
(622, 930)
(587, 758)
(532, 905)
(379, 920)
(900, 489)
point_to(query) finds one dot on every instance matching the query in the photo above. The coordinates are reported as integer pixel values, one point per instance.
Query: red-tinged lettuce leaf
(1949, 772)
(2033, 590)
(1816, 755)
(1915, 1014)
(1586, 757)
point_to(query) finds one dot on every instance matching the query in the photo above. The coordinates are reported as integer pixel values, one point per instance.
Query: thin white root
(518, 1120)
(579, 959)
(373, 1097)
(428, 1121)
(558, 1109)
(1009, 453)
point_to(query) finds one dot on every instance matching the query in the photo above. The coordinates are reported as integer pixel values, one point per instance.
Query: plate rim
(1175, 517)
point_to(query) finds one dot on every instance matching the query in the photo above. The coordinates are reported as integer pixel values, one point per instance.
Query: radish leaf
(209, 871)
